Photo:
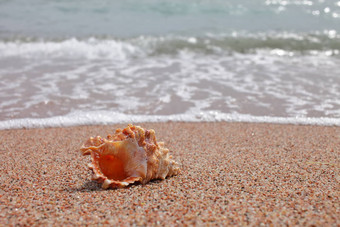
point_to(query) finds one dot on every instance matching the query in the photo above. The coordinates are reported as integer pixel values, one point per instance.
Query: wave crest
(121, 49)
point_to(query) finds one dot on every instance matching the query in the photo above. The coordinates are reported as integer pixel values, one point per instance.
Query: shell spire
(128, 156)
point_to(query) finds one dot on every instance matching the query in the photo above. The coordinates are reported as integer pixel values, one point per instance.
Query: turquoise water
(239, 60)
(132, 18)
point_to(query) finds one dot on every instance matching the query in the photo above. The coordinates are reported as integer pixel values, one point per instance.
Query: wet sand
(232, 173)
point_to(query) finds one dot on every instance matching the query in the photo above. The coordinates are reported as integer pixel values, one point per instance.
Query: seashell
(128, 156)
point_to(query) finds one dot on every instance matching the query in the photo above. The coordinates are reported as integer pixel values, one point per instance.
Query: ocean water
(78, 62)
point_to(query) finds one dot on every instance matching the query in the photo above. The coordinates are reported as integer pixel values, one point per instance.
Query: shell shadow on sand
(91, 185)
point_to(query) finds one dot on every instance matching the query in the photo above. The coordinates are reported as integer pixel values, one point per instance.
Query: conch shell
(130, 155)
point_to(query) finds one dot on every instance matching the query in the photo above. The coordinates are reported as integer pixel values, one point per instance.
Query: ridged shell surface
(128, 156)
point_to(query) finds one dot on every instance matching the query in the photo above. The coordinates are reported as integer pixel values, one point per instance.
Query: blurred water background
(95, 62)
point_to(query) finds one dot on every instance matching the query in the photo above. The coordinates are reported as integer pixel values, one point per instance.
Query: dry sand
(232, 173)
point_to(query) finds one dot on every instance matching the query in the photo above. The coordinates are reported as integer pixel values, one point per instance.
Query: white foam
(71, 48)
(107, 118)
(177, 84)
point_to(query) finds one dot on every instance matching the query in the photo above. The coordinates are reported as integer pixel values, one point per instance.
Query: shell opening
(112, 167)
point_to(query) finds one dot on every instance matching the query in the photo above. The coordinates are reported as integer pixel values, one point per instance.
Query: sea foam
(107, 118)
(171, 78)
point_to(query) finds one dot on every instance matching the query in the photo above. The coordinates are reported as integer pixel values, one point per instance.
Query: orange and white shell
(128, 156)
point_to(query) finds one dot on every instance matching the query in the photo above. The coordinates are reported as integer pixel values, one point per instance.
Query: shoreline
(103, 118)
(232, 173)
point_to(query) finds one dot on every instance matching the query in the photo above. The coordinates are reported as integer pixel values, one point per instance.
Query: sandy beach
(232, 173)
